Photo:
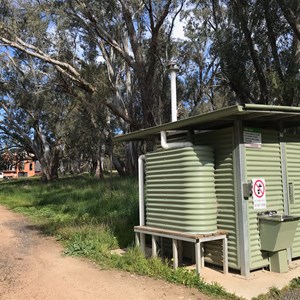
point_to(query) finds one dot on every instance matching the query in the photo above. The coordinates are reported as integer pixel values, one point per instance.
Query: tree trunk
(291, 14)
(118, 165)
(99, 168)
(50, 167)
(264, 93)
(272, 38)
(291, 88)
(131, 158)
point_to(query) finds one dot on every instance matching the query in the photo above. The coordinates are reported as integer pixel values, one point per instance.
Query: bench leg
(198, 256)
(143, 243)
(202, 254)
(137, 239)
(225, 255)
(175, 253)
(154, 246)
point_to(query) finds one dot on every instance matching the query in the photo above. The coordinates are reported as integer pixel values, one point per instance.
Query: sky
(178, 29)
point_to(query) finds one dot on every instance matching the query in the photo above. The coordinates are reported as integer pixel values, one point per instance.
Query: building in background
(19, 165)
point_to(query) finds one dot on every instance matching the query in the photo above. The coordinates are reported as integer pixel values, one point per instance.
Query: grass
(91, 218)
(290, 292)
(75, 202)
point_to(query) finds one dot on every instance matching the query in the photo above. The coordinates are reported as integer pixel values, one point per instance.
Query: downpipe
(141, 167)
(141, 190)
(166, 146)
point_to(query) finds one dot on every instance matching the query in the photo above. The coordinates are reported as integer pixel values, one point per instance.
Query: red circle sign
(259, 188)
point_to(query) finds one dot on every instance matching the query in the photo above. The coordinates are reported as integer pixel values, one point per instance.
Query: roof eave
(151, 132)
(213, 119)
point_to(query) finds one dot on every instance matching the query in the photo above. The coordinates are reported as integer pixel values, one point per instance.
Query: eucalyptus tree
(34, 105)
(88, 137)
(203, 86)
(13, 157)
(134, 32)
(290, 9)
(131, 37)
(33, 109)
(256, 45)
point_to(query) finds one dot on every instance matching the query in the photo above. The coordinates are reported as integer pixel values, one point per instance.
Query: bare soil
(32, 267)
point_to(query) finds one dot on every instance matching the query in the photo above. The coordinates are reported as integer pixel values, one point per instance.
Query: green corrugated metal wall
(180, 189)
(293, 176)
(264, 163)
(222, 143)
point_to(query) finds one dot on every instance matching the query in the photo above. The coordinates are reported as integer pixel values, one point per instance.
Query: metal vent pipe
(173, 69)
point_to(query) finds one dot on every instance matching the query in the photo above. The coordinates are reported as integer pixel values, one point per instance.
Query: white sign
(259, 193)
(252, 138)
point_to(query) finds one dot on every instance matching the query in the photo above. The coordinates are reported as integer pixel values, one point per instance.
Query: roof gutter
(270, 108)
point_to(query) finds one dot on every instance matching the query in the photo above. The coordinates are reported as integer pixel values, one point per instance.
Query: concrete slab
(259, 282)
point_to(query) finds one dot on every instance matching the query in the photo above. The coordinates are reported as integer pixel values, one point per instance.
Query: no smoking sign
(259, 193)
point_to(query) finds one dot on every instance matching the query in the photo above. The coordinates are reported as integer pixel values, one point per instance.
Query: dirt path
(32, 267)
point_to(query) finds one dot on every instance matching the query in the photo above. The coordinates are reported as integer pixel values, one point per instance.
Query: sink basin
(277, 231)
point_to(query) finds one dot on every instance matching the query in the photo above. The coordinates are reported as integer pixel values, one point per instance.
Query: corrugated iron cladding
(293, 174)
(264, 163)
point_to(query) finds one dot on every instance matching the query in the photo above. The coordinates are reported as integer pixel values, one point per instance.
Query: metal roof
(255, 115)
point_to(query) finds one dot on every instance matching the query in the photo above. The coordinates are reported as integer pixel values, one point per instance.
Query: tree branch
(102, 33)
(290, 16)
(272, 38)
(64, 68)
(259, 71)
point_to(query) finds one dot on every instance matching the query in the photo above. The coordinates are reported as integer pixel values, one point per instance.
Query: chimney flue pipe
(173, 69)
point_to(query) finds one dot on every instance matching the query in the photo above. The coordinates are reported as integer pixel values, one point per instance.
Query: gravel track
(32, 267)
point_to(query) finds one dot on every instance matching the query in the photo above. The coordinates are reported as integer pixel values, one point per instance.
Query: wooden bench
(197, 239)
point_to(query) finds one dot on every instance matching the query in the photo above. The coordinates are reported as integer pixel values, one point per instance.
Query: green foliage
(295, 283)
(234, 45)
(88, 240)
(291, 291)
(76, 201)
(134, 261)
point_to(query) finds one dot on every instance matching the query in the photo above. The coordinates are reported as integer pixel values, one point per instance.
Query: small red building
(26, 168)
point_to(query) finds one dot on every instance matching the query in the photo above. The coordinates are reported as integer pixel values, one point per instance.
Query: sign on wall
(252, 138)
(259, 193)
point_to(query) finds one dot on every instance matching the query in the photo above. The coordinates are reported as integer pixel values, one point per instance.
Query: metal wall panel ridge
(293, 182)
(264, 163)
(222, 143)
